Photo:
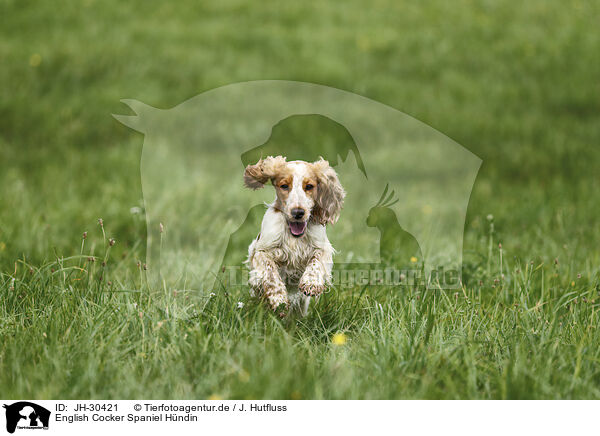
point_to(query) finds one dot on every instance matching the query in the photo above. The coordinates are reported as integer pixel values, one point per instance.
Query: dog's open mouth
(297, 229)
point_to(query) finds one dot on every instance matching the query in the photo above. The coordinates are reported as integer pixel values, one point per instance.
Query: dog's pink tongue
(297, 228)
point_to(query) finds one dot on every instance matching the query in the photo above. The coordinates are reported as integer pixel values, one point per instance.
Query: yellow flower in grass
(215, 397)
(339, 339)
(35, 60)
(413, 259)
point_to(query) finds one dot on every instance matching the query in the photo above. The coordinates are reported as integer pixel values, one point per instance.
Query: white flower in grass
(240, 305)
(135, 210)
(212, 294)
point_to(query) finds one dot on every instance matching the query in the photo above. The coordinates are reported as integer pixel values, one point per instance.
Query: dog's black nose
(297, 213)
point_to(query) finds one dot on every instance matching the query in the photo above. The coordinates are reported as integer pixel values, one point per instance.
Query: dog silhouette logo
(26, 415)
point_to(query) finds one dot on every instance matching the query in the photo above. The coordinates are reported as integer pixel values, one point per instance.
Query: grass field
(516, 84)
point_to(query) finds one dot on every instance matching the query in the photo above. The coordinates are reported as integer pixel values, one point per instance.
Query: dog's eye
(284, 186)
(308, 187)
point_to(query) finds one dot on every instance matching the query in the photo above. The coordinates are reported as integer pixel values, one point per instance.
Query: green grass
(515, 84)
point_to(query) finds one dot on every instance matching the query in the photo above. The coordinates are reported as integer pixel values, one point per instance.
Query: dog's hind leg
(304, 303)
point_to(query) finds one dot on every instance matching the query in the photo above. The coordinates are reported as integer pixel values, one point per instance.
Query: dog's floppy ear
(330, 193)
(255, 176)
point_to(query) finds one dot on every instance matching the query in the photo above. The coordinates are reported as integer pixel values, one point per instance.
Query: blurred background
(516, 84)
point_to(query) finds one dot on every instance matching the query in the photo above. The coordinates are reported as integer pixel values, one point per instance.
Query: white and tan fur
(292, 247)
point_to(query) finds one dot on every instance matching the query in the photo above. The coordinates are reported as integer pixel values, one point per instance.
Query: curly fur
(288, 269)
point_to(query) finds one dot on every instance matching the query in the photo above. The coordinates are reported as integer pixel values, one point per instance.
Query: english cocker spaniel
(291, 258)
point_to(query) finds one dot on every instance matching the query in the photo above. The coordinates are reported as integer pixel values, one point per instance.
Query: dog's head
(304, 190)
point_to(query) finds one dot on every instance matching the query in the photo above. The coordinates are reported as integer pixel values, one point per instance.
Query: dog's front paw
(278, 301)
(311, 289)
